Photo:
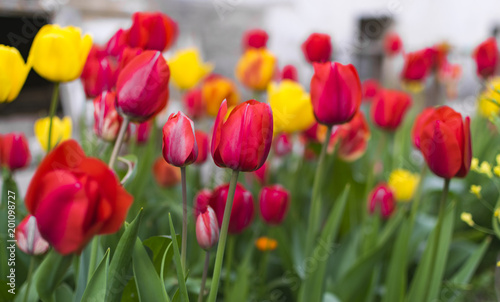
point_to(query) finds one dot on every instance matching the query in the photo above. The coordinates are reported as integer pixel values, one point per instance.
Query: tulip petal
(217, 132)
(467, 150)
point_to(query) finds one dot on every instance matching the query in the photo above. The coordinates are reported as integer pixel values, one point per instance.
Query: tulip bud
(143, 130)
(274, 202)
(243, 140)
(216, 89)
(351, 139)
(389, 107)
(14, 151)
(207, 229)
(107, 120)
(117, 43)
(486, 56)
(201, 201)
(335, 93)
(416, 67)
(155, 31)
(282, 144)
(289, 72)
(188, 69)
(255, 69)
(142, 86)
(202, 141)
(317, 48)
(242, 211)
(14, 72)
(381, 199)
(392, 44)
(370, 88)
(193, 102)
(28, 237)
(254, 38)
(179, 142)
(99, 73)
(165, 174)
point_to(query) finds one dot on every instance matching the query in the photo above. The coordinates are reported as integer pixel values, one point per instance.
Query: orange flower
(256, 68)
(216, 89)
(265, 244)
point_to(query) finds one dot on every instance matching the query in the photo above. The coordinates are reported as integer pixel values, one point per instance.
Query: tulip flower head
(207, 229)
(350, 139)
(317, 48)
(14, 151)
(179, 141)
(166, 175)
(61, 131)
(417, 67)
(215, 89)
(127, 55)
(381, 199)
(59, 53)
(488, 100)
(188, 69)
(99, 73)
(389, 108)
(370, 89)
(143, 130)
(117, 43)
(201, 201)
(107, 120)
(392, 44)
(289, 72)
(274, 203)
(242, 140)
(256, 68)
(254, 38)
(202, 141)
(153, 31)
(282, 144)
(75, 197)
(193, 103)
(29, 239)
(13, 73)
(403, 183)
(486, 56)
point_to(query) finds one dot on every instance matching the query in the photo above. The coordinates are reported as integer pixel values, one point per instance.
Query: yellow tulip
(61, 131)
(187, 69)
(13, 73)
(255, 69)
(486, 103)
(291, 105)
(403, 183)
(59, 54)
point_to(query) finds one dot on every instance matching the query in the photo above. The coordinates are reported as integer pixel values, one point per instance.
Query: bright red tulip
(127, 55)
(99, 73)
(242, 141)
(335, 93)
(142, 86)
(179, 142)
(392, 44)
(117, 43)
(289, 72)
(254, 38)
(351, 139)
(14, 151)
(75, 197)
(201, 201)
(370, 89)
(389, 108)
(193, 102)
(207, 229)
(486, 56)
(381, 199)
(274, 202)
(143, 130)
(29, 239)
(445, 142)
(282, 144)
(107, 120)
(417, 65)
(417, 126)
(166, 175)
(202, 141)
(154, 31)
(317, 48)
(242, 211)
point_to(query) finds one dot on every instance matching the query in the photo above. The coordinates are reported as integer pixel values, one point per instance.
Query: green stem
(315, 209)
(229, 262)
(204, 277)
(263, 272)
(28, 278)
(184, 220)
(418, 194)
(223, 236)
(119, 141)
(52, 112)
(93, 257)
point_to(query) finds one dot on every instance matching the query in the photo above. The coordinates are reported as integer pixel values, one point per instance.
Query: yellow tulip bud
(467, 218)
(265, 244)
(403, 183)
(255, 69)
(61, 131)
(187, 69)
(13, 73)
(59, 53)
(486, 102)
(291, 105)
(476, 190)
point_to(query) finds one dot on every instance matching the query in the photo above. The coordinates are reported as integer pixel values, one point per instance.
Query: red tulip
(142, 86)
(381, 199)
(117, 43)
(193, 102)
(370, 88)
(201, 201)
(445, 142)
(274, 202)
(392, 44)
(166, 175)
(143, 130)
(289, 72)
(317, 48)
(351, 139)
(99, 73)
(335, 93)
(75, 197)
(179, 142)
(242, 211)
(29, 239)
(14, 151)
(207, 229)
(261, 174)
(242, 141)
(282, 144)
(155, 31)
(417, 126)
(127, 55)
(107, 120)
(389, 108)
(202, 141)
(486, 56)
(254, 38)
(417, 65)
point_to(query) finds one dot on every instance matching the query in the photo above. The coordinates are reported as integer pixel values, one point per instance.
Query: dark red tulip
(254, 38)
(107, 121)
(317, 48)
(282, 144)
(14, 151)
(351, 139)
(370, 89)
(193, 102)
(389, 108)
(392, 44)
(201, 201)
(335, 93)
(117, 43)
(243, 140)
(486, 56)
(243, 207)
(166, 175)
(274, 202)
(153, 31)
(179, 142)
(207, 229)
(202, 141)
(381, 199)
(143, 130)
(99, 73)
(289, 72)
(142, 86)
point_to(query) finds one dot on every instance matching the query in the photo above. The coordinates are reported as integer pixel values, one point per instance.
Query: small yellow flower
(265, 244)
(291, 105)
(497, 212)
(486, 101)
(187, 69)
(467, 218)
(61, 131)
(485, 168)
(476, 190)
(59, 53)
(13, 73)
(496, 170)
(403, 183)
(498, 263)
(474, 164)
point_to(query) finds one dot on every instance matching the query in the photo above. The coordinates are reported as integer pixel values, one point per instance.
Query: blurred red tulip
(142, 86)
(370, 89)
(107, 120)
(274, 202)
(392, 44)
(486, 56)
(335, 93)
(282, 144)
(351, 139)
(154, 31)
(311, 134)
(179, 142)
(254, 38)
(242, 211)
(417, 126)
(14, 151)
(243, 140)
(29, 239)
(143, 130)
(289, 72)
(127, 55)
(201, 201)
(417, 65)
(99, 73)
(317, 48)
(117, 43)
(75, 197)
(261, 174)
(202, 141)
(193, 102)
(381, 199)
(207, 229)
(389, 108)
(166, 175)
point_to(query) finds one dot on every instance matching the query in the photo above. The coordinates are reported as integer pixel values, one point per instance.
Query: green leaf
(96, 288)
(50, 274)
(178, 265)
(64, 293)
(241, 287)
(162, 247)
(120, 263)
(131, 162)
(149, 285)
(463, 276)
